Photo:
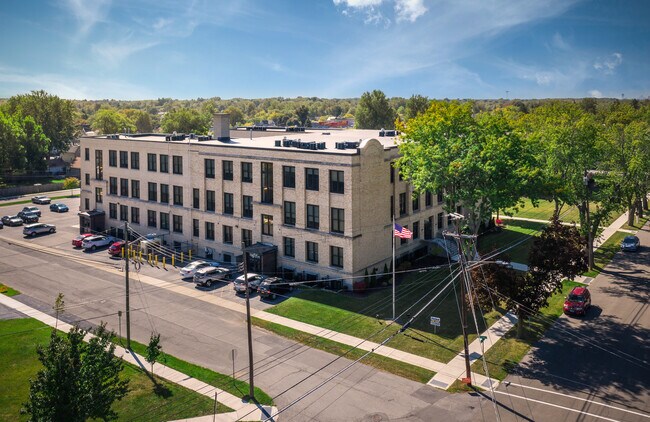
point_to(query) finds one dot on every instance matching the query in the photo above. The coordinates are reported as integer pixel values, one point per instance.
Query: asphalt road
(206, 334)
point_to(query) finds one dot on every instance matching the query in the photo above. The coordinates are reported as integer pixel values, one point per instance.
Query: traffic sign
(435, 321)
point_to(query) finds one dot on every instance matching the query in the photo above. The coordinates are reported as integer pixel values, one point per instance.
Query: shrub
(71, 183)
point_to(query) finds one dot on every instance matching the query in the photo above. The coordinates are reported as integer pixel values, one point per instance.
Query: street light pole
(251, 392)
(126, 274)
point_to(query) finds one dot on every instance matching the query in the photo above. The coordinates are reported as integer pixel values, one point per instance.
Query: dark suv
(578, 301)
(272, 287)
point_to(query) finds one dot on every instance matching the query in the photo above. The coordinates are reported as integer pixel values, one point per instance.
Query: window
(87, 203)
(87, 177)
(311, 179)
(392, 206)
(177, 164)
(247, 206)
(112, 185)
(151, 218)
(440, 196)
(112, 158)
(209, 168)
(392, 173)
(164, 221)
(228, 203)
(124, 187)
(124, 159)
(336, 182)
(312, 216)
(440, 220)
(99, 165)
(416, 230)
(153, 191)
(99, 195)
(402, 204)
(267, 225)
(135, 189)
(247, 237)
(428, 228)
(227, 170)
(267, 183)
(311, 251)
(227, 235)
(124, 212)
(164, 193)
(336, 256)
(164, 163)
(289, 246)
(196, 198)
(210, 200)
(209, 231)
(112, 211)
(178, 195)
(247, 172)
(135, 215)
(178, 223)
(289, 176)
(87, 154)
(428, 200)
(337, 225)
(195, 227)
(151, 162)
(289, 213)
(135, 160)
(416, 203)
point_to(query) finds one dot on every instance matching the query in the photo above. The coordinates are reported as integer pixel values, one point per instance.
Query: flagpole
(393, 235)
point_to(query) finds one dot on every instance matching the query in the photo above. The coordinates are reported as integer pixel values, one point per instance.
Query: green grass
(509, 350)
(544, 211)
(405, 370)
(8, 291)
(356, 315)
(515, 231)
(221, 381)
(604, 254)
(163, 401)
(29, 201)
(638, 224)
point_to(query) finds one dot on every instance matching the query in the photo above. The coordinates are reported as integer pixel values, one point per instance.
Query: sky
(148, 49)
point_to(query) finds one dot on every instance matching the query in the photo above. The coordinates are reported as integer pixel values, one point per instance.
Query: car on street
(190, 269)
(59, 208)
(578, 301)
(116, 248)
(38, 228)
(28, 217)
(254, 280)
(31, 209)
(207, 275)
(630, 244)
(77, 240)
(12, 220)
(41, 199)
(2, 225)
(272, 287)
(97, 241)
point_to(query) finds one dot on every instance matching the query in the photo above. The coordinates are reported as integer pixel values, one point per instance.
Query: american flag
(402, 232)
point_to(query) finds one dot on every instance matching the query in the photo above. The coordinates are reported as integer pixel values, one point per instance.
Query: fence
(26, 190)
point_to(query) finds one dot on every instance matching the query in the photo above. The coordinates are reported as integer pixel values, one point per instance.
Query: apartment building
(322, 202)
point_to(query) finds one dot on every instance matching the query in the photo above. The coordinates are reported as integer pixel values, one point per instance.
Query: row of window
(154, 162)
(415, 202)
(337, 217)
(311, 252)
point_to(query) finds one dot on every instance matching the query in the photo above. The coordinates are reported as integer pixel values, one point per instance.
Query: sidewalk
(241, 409)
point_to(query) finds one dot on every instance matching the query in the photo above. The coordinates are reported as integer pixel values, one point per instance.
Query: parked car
(254, 281)
(578, 301)
(2, 225)
(38, 228)
(272, 287)
(76, 242)
(59, 208)
(12, 220)
(32, 209)
(207, 275)
(97, 241)
(631, 244)
(116, 248)
(41, 199)
(190, 269)
(28, 217)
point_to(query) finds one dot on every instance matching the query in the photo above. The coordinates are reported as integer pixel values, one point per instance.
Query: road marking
(558, 406)
(645, 415)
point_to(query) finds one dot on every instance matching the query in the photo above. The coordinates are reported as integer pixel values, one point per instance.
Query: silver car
(38, 228)
(254, 281)
(208, 275)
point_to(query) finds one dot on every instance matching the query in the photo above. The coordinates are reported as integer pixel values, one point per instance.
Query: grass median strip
(382, 363)
(8, 291)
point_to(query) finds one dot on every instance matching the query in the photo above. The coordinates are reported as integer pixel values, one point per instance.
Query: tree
(23, 146)
(374, 111)
(154, 349)
(302, 112)
(109, 120)
(186, 121)
(59, 307)
(236, 115)
(140, 119)
(79, 380)
(70, 183)
(415, 105)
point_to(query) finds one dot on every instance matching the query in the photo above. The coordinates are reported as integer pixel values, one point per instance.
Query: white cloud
(112, 53)
(409, 10)
(609, 64)
(88, 12)
(560, 43)
(358, 3)
(594, 93)
(405, 10)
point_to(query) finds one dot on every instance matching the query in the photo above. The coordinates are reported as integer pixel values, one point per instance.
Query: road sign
(435, 321)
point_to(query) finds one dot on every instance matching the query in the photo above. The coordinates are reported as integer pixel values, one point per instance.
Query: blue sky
(144, 49)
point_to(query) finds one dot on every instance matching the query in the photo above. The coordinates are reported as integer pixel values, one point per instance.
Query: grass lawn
(638, 224)
(508, 351)
(356, 314)
(8, 291)
(29, 201)
(164, 401)
(414, 373)
(515, 231)
(604, 254)
(545, 209)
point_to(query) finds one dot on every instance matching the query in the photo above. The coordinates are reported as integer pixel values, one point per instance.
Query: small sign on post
(435, 321)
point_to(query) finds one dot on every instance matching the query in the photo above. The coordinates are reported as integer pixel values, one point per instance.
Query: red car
(578, 301)
(76, 242)
(116, 248)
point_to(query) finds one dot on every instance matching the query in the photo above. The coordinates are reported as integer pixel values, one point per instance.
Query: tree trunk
(630, 213)
(520, 322)
(639, 208)
(645, 202)
(556, 211)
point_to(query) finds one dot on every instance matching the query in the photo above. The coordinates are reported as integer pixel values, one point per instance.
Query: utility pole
(251, 392)
(126, 274)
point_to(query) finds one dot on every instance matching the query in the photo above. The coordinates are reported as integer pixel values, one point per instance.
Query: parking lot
(67, 227)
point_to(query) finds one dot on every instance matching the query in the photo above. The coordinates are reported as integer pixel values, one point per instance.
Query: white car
(190, 269)
(41, 199)
(38, 228)
(254, 281)
(208, 275)
(99, 241)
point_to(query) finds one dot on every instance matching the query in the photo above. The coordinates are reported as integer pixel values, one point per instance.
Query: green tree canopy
(109, 120)
(415, 105)
(23, 145)
(186, 121)
(374, 111)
